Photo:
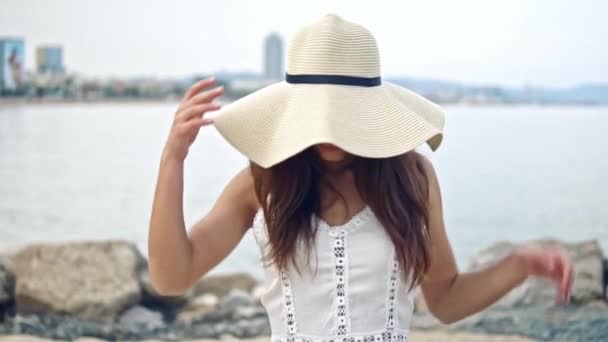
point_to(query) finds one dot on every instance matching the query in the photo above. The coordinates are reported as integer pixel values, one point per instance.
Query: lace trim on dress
(339, 233)
(341, 268)
(380, 336)
(290, 313)
(391, 300)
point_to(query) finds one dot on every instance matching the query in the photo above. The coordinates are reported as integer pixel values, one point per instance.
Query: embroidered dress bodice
(358, 292)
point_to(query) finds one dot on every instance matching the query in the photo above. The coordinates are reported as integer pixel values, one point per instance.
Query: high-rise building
(273, 57)
(12, 70)
(49, 59)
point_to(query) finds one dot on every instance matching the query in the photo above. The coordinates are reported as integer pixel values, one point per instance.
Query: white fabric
(357, 294)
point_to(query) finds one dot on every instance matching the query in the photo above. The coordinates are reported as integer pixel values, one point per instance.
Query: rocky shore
(100, 291)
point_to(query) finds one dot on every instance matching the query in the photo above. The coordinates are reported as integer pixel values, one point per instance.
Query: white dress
(357, 294)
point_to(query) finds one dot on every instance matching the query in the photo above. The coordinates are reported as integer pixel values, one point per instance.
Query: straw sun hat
(332, 93)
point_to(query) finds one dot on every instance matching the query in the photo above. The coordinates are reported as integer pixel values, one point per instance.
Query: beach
(102, 289)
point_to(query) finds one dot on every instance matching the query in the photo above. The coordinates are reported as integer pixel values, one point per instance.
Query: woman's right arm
(178, 258)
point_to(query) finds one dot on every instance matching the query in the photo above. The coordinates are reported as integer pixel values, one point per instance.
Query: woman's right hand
(189, 118)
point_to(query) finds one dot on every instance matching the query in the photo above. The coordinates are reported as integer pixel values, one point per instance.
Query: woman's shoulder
(246, 178)
(417, 163)
(425, 162)
(241, 192)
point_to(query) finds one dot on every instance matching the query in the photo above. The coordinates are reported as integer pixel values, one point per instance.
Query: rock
(606, 279)
(440, 336)
(7, 284)
(197, 309)
(23, 338)
(204, 330)
(244, 328)
(138, 317)
(230, 338)
(190, 316)
(6, 257)
(234, 299)
(207, 300)
(67, 328)
(88, 280)
(587, 259)
(220, 285)
(596, 304)
(150, 297)
(561, 323)
(249, 312)
(418, 336)
(236, 305)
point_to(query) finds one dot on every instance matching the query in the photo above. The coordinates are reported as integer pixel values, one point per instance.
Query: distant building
(12, 70)
(49, 59)
(273, 57)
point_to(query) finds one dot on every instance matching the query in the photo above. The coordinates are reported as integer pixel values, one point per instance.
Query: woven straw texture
(282, 119)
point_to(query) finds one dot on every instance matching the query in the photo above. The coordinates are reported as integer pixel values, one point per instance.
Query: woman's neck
(339, 176)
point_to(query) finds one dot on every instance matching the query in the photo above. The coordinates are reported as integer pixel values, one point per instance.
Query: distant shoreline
(16, 102)
(144, 101)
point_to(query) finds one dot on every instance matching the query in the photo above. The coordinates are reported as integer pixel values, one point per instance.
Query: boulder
(150, 297)
(7, 284)
(588, 282)
(234, 299)
(220, 285)
(89, 280)
(606, 279)
(247, 328)
(207, 300)
(140, 318)
(249, 312)
(23, 338)
(439, 336)
(207, 308)
(197, 308)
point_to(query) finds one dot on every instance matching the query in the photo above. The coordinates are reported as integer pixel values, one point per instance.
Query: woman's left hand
(552, 262)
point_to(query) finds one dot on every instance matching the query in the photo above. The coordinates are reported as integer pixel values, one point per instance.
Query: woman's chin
(332, 157)
(330, 153)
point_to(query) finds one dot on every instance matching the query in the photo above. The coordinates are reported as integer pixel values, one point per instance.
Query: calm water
(72, 172)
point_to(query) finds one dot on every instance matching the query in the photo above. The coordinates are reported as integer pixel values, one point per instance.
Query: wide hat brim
(283, 119)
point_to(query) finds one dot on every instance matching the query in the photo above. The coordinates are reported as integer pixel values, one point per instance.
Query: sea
(88, 171)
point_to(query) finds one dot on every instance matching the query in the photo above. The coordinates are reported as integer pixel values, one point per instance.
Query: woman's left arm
(452, 296)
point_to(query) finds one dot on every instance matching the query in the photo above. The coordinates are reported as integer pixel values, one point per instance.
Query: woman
(333, 175)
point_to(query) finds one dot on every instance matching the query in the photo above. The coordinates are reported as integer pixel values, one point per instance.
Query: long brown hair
(395, 188)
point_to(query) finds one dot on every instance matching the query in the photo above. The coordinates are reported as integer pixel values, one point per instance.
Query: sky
(557, 43)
